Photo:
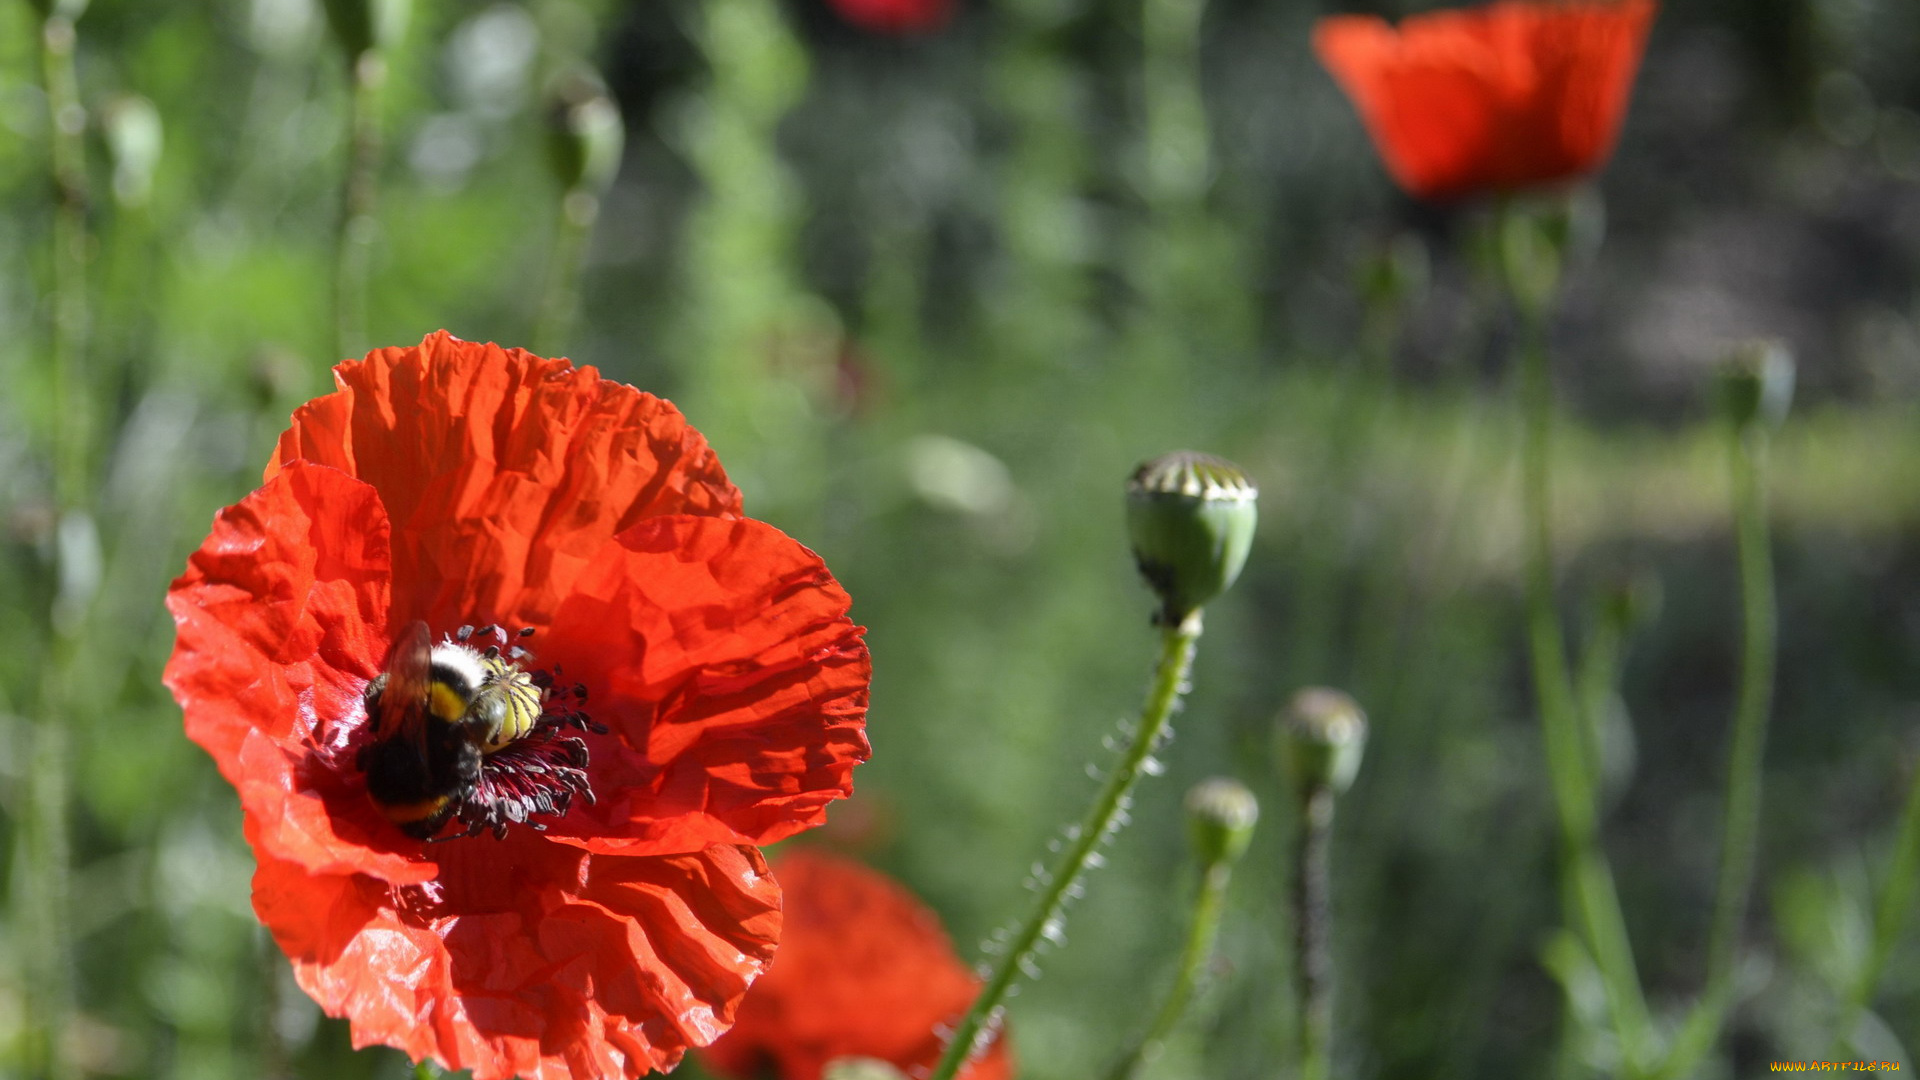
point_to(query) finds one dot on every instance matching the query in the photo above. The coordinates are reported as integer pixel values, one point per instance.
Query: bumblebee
(438, 713)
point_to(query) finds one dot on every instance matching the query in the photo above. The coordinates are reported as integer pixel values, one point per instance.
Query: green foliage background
(932, 298)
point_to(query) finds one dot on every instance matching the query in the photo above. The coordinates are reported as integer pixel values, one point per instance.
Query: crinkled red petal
(502, 472)
(280, 621)
(864, 970)
(720, 655)
(536, 960)
(1505, 96)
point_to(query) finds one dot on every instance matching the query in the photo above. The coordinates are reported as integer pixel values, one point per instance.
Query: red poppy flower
(864, 970)
(895, 16)
(696, 689)
(1497, 98)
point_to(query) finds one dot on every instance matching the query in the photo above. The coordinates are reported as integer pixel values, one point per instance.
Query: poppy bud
(585, 134)
(134, 137)
(1191, 517)
(1756, 384)
(362, 25)
(1221, 813)
(1322, 735)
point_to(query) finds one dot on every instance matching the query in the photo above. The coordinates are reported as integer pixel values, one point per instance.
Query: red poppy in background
(864, 970)
(895, 16)
(1511, 95)
(457, 483)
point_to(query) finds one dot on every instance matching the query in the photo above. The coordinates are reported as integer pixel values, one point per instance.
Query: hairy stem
(1202, 930)
(975, 1030)
(1313, 933)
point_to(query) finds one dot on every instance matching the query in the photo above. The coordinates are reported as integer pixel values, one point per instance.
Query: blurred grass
(931, 314)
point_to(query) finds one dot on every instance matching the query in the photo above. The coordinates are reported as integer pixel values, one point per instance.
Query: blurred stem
(1588, 890)
(1177, 154)
(69, 324)
(1202, 930)
(1740, 843)
(1598, 678)
(1313, 933)
(1177, 646)
(360, 193)
(1889, 919)
(45, 935)
(560, 305)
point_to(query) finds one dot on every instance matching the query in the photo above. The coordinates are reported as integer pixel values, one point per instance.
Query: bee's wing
(403, 702)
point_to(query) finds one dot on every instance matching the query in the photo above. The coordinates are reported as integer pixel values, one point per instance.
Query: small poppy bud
(1322, 736)
(585, 134)
(860, 1068)
(1191, 517)
(1756, 384)
(1221, 813)
(367, 24)
(134, 138)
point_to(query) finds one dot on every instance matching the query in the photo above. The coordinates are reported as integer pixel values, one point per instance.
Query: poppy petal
(280, 621)
(610, 966)
(1510, 95)
(721, 656)
(502, 472)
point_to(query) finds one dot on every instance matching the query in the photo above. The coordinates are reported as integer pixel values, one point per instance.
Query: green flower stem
(45, 855)
(69, 324)
(360, 192)
(1177, 646)
(1741, 825)
(1593, 905)
(1176, 130)
(1202, 930)
(1889, 919)
(560, 305)
(1313, 933)
(1740, 841)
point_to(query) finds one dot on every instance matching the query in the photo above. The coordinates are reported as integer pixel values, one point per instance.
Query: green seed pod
(361, 25)
(585, 134)
(1756, 384)
(1191, 517)
(1221, 813)
(1322, 735)
(860, 1068)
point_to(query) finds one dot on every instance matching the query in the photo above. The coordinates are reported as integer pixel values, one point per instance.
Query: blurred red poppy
(864, 970)
(1497, 98)
(895, 16)
(456, 483)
